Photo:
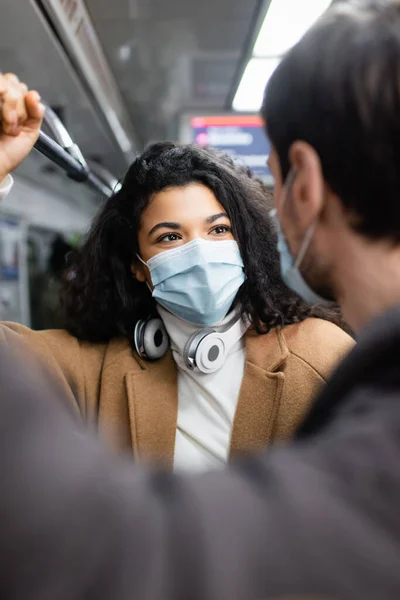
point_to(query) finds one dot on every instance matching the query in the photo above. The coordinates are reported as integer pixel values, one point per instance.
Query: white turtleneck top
(206, 403)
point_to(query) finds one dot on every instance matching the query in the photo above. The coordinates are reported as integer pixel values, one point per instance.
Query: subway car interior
(116, 77)
(199, 299)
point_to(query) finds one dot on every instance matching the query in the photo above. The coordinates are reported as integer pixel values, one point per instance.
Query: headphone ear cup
(138, 338)
(204, 351)
(151, 339)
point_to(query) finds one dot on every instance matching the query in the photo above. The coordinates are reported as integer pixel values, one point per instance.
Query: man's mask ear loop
(305, 244)
(310, 231)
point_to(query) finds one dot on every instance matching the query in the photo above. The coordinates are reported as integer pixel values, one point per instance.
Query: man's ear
(308, 186)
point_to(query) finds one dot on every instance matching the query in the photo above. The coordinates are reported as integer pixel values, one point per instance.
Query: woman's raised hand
(21, 115)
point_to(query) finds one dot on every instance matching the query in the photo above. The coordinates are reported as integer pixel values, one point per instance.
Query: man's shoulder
(383, 330)
(373, 368)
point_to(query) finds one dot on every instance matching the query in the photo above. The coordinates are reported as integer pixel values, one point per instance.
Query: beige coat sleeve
(76, 366)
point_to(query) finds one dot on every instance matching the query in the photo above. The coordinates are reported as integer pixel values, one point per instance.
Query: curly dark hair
(103, 300)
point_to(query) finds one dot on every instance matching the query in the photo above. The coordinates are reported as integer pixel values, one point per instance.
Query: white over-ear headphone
(151, 339)
(205, 351)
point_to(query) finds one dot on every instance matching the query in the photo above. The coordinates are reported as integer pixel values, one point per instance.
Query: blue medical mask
(198, 281)
(290, 268)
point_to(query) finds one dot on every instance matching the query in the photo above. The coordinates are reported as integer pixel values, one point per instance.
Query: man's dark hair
(339, 90)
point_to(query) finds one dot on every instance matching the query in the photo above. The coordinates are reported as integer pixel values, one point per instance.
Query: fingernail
(13, 118)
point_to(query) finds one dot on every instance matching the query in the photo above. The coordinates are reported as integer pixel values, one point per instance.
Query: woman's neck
(179, 330)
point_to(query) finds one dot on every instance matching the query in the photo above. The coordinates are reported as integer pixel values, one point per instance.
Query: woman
(186, 245)
(182, 342)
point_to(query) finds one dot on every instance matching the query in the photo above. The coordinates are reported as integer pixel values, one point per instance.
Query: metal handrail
(67, 155)
(61, 135)
(74, 169)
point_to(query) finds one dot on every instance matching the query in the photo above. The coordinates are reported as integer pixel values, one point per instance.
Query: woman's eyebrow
(216, 217)
(165, 225)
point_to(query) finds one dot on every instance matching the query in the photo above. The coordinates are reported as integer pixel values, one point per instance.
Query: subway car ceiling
(161, 59)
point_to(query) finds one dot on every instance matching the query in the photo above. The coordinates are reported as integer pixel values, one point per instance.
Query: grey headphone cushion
(155, 339)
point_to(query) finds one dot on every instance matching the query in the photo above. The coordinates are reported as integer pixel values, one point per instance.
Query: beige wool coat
(134, 403)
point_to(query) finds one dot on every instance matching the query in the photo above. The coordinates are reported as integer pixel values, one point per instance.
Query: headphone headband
(205, 351)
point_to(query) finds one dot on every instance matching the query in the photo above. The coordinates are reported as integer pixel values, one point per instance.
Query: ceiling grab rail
(66, 154)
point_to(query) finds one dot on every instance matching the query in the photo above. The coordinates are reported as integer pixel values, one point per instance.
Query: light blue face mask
(290, 268)
(198, 281)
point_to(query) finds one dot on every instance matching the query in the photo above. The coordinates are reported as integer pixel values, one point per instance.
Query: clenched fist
(21, 115)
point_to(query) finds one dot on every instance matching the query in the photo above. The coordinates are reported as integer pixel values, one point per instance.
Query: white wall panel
(39, 207)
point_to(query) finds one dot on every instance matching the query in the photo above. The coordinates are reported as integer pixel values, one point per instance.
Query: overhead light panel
(285, 23)
(250, 92)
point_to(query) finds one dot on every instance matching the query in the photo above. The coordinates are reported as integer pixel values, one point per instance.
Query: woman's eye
(220, 229)
(169, 237)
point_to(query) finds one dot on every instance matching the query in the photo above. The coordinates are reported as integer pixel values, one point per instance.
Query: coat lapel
(260, 392)
(153, 408)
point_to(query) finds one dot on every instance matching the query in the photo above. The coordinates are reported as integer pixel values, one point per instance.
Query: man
(319, 519)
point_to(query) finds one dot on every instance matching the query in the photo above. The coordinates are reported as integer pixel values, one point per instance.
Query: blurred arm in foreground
(319, 518)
